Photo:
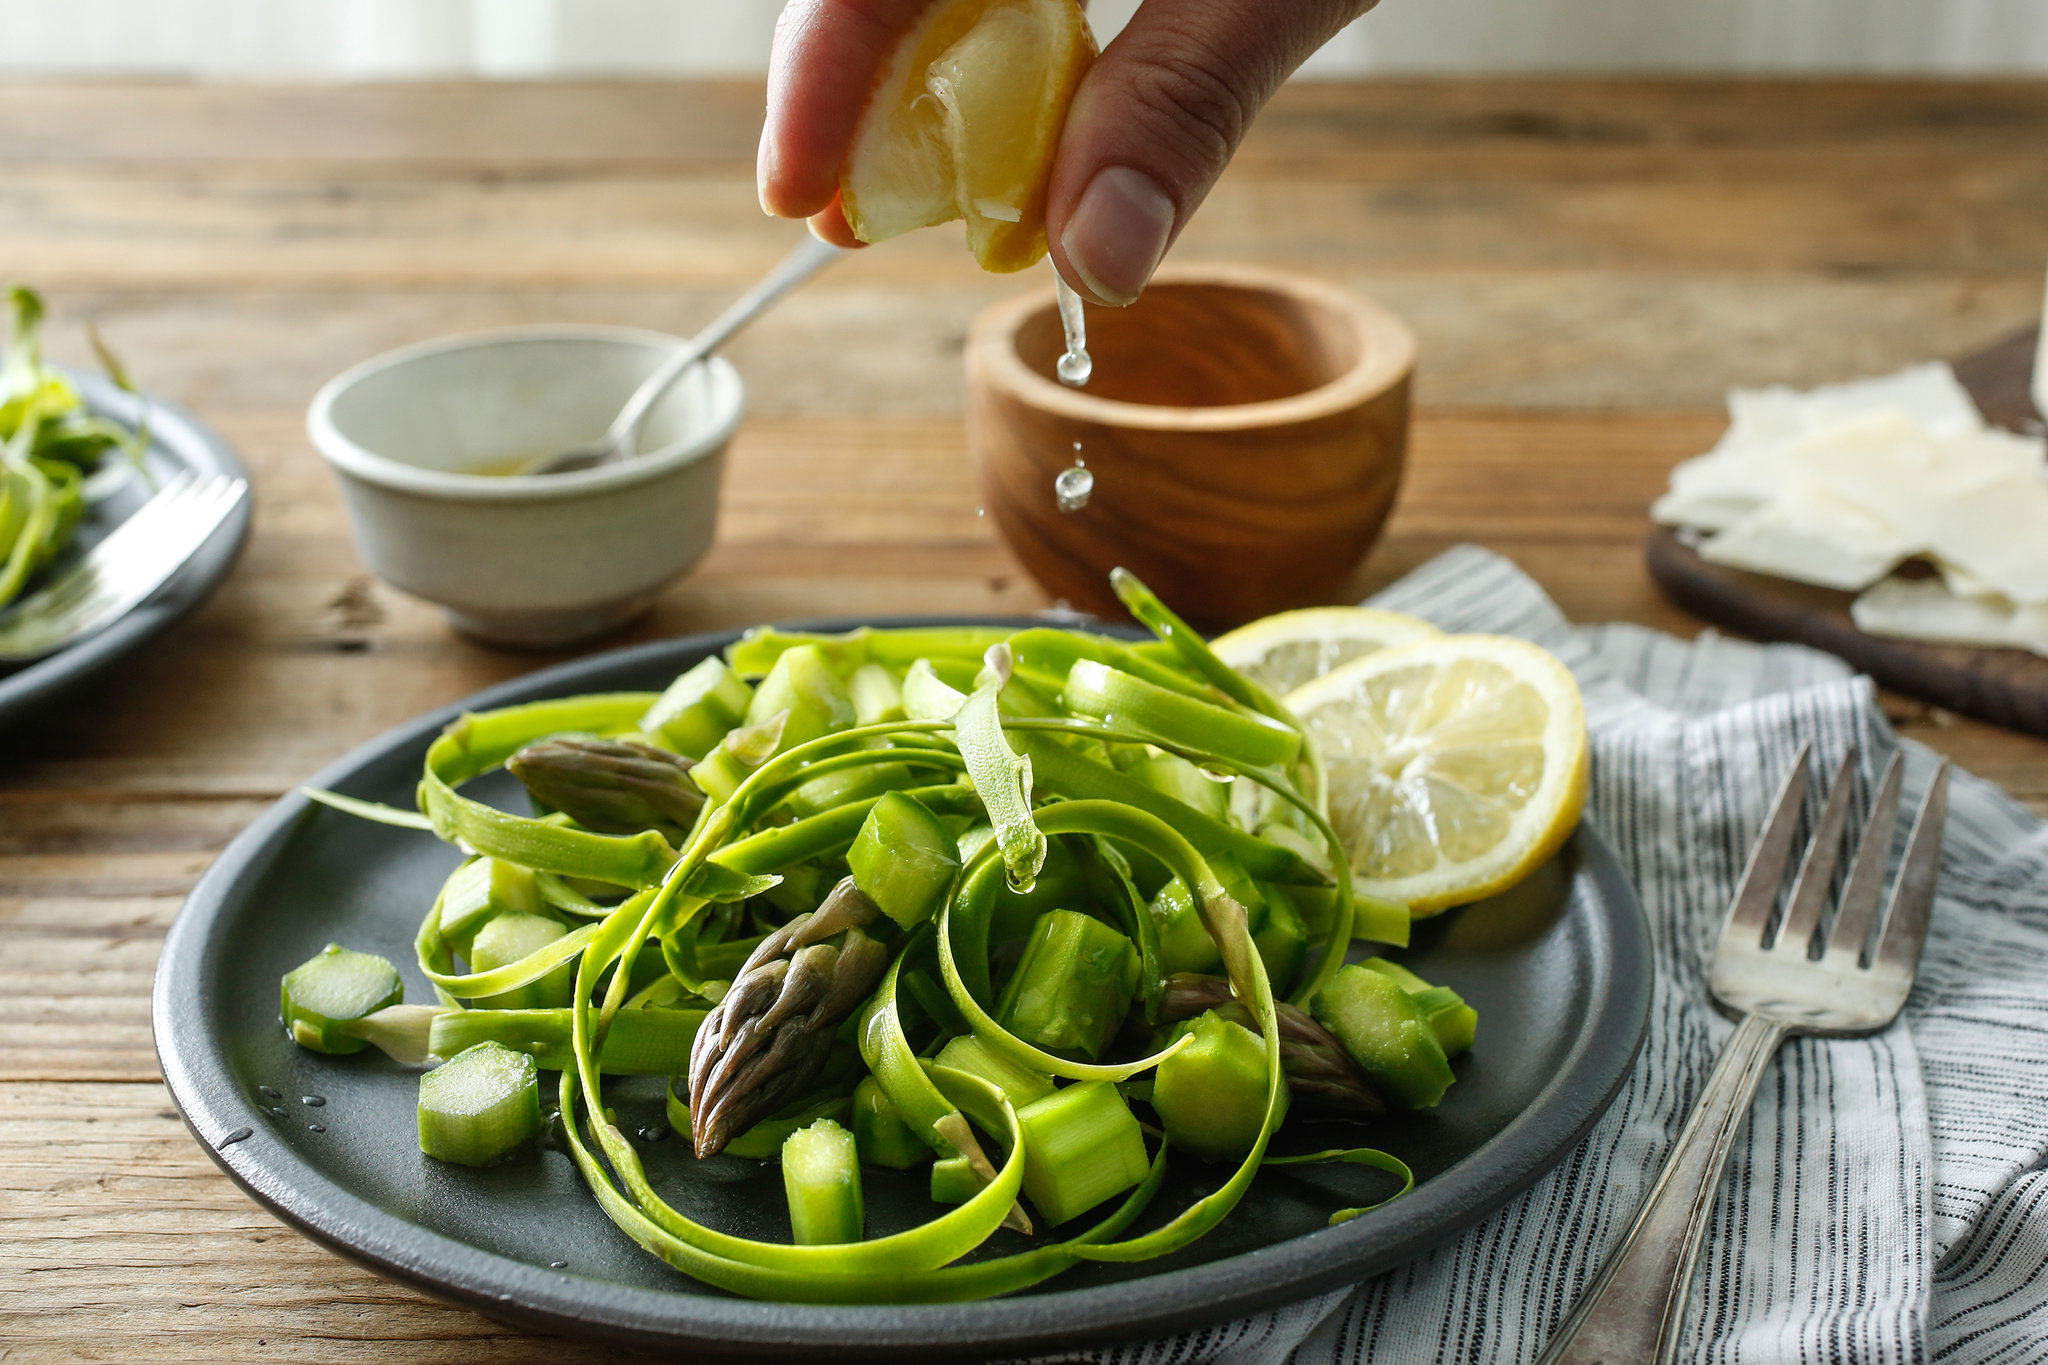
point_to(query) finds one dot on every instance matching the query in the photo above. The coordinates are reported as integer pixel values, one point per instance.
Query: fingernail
(1118, 233)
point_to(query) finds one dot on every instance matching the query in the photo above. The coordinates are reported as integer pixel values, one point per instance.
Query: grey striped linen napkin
(1889, 1200)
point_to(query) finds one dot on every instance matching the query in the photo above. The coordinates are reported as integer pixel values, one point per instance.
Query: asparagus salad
(1035, 911)
(49, 443)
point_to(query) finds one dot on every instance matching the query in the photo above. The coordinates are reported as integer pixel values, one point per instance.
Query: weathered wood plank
(1554, 339)
(116, 1231)
(689, 124)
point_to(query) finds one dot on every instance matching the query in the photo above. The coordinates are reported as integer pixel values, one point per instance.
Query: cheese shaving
(1841, 485)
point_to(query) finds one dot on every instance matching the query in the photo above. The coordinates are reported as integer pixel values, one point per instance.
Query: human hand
(1155, 120)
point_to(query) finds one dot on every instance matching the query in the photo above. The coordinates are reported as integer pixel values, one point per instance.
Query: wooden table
(1588, 265)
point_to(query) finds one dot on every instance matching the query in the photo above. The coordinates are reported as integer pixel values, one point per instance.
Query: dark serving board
(2007, 687)
(1559, 969)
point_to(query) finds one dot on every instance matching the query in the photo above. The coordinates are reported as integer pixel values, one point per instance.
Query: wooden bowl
(1246, 430)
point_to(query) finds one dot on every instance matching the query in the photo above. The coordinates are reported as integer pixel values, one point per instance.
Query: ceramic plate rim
(212, 1104)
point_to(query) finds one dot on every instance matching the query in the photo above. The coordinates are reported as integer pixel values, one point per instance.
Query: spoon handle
(802, 263)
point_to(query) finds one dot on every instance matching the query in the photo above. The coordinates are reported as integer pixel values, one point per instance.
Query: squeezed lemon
(963, 122)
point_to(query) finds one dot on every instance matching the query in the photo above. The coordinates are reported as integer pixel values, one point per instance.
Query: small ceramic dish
(1246, 431)
(417, 438)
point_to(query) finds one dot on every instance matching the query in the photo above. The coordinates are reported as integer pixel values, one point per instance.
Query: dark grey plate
(1559, 971)
(181, 442)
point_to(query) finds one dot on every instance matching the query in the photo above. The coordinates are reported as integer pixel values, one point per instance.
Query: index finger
(823, 65)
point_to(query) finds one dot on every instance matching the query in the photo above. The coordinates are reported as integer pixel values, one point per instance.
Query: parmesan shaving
(1839, 486)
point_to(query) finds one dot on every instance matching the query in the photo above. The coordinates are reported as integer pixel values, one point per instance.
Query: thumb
(1157, 118)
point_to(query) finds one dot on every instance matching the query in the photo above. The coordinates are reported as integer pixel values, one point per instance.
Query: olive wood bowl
(1246, 430)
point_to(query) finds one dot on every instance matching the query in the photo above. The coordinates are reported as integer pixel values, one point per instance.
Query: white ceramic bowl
(536, 560)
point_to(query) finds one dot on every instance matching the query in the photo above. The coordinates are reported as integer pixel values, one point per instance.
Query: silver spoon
(621, 440)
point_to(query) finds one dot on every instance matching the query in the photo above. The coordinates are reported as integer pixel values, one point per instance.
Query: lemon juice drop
(1075, 366)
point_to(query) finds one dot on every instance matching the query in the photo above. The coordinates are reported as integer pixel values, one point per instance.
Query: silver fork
(136, 558)
(1838, 980)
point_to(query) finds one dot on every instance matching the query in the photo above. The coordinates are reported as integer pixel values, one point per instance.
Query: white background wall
(345, 39)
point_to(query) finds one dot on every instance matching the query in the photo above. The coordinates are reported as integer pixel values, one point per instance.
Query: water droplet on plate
(239, 1135)
(267, 1093)
(312, 1101)
(277, 1110)
(316, 1127)
(558, 1265)
(653, 1134)
(1073, 488)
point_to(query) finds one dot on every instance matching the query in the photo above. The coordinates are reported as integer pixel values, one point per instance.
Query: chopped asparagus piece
(1454, 1022)
(821, 1178)
(1282, 940)
(514, 937)
(479, 1105)
(736, 756)
(803, 684)
(876, 695)
(1020, 1084)
(1399, 975)
(926, 696)
(335, 986)
(1184, 782)
(1380, 920)
(480, 889)
(1211, 1095)
(1073, 987)
(1184, 942)
(1385, 1033)
(903, 860)
(954, 1180)
(1082, 1146)
(698, 708)
(880, 1132)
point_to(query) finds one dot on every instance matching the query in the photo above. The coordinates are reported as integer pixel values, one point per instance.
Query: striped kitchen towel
(1889, 1199)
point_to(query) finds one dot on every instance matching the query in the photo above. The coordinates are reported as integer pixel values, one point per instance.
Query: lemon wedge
(963, 122)
(1284, 651)
(1456, 765)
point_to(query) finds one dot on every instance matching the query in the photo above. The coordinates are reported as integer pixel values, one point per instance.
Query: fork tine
(1860, 894)
(1905, 923)
(1817, 869)
(1757, 896)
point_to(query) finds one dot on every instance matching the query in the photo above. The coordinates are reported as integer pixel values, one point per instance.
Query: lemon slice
(963, 122)
(1284, 651)
(1456, 765)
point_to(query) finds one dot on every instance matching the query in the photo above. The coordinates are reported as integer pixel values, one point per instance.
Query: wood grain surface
(1587, 266)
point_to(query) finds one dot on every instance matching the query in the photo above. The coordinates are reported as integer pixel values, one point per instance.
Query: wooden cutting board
(2004, 686)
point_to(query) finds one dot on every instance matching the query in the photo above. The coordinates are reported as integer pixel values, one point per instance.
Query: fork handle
(1633, 1313)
